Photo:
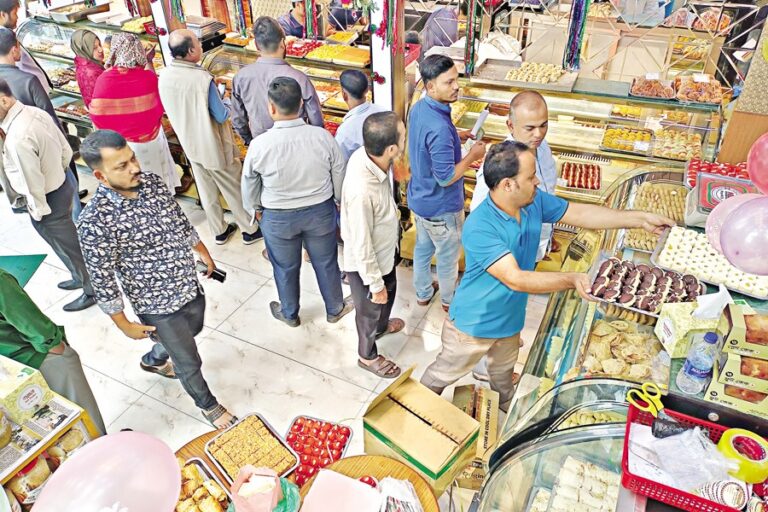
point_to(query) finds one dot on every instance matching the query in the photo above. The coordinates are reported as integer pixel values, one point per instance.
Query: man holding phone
(134, 230)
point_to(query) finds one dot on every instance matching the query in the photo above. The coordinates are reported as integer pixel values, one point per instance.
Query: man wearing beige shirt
(369, 227)
(35, 157)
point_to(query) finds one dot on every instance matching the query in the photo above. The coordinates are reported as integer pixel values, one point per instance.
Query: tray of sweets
(583, 485)
(318, 443)
(698, 89)
(641, 288)
(633, 141)
(685, 250)
(251, 441)
(695, 166)
(76, 12)
(342, 37)
(298, 48)
(626, 112)
(652, 88)
(584, 176)
(661, 197)
(677, 144)
(200, 488)
(538, 499)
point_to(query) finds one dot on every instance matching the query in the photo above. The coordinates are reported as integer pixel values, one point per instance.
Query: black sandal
(216, 413)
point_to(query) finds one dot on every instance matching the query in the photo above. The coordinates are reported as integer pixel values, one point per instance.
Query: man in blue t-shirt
(436, 187)
(500, 244)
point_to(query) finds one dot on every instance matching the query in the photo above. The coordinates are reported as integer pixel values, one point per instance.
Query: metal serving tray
(655, 258)
(210, 474)
(64, 15)
(494, 72)
(271, 429)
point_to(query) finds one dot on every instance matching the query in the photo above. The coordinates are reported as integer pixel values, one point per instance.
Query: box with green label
(410, 423)
(748, 334)
(23, 390)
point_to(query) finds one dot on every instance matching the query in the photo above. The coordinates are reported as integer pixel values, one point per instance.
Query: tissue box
(744, 372)
(748, 334)
(410, 423)
(23, 391)
(743, 400)
(676, 325)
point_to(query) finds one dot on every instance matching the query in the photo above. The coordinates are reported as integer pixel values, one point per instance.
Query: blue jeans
(441, 235)
(175, 338)
(284, 233)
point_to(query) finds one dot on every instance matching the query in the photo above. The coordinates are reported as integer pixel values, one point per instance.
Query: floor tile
(113, 397)
(43, 290)
(150, 416)
(247, 379)
(222, 299)
(331, 348)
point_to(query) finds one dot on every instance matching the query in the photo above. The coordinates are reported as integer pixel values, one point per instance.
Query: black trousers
(371, 319)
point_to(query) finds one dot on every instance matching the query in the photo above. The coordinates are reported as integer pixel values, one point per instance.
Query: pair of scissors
(647, 398)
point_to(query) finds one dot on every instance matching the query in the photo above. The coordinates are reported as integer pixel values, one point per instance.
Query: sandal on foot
(394, 325)
(216, 413)
(381, 367)
(165, 370)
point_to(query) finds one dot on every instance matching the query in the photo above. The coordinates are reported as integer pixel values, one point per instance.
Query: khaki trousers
(212, 182)
(461, 352)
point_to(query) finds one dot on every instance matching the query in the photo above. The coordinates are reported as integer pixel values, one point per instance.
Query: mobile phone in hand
(217, 274)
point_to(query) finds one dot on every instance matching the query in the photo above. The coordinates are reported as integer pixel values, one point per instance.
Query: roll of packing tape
(749, 450)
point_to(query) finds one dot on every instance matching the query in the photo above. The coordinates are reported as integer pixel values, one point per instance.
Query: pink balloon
(744, 237)
(757, 163)
(121, 472)
(717, 216)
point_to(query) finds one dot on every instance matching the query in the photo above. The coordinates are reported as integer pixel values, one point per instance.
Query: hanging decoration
(388, 29)
(572, 56)
(131, 5)
(311, 21)
(474, 31)
(177, 11)
(241, 27)
(365, 6)
(377, 78)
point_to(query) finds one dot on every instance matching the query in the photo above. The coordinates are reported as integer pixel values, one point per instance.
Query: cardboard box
(410, 423)
(743, 400)
(736, 342)
(744, 372)
(483, 405)
(23, 390)
(676, 325)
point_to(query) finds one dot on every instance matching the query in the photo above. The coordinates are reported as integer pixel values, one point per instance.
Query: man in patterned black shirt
(133, 230)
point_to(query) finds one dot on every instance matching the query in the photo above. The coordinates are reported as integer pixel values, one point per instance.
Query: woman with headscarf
(126, 99)
(89, 62)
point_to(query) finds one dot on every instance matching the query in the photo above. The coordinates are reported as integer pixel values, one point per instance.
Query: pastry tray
(593, 275)
(271, 430)
(647, 152)
(670, 83)
(200, 463)
(351, 432)
(631, 205)
(583, 460)
(655, 258)
(494, 72)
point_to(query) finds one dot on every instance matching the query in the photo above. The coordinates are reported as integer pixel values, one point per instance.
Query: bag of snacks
(28, 482)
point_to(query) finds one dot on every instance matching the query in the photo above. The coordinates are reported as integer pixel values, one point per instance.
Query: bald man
(528, 123)
(201, 122)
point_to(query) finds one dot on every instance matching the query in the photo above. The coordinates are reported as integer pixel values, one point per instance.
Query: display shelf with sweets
(652, 88)
(677, 144)
(665, 198)
(699, 88)
(695, 166)
(627, 140)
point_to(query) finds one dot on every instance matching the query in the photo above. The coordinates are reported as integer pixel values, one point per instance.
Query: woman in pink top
(89, 62)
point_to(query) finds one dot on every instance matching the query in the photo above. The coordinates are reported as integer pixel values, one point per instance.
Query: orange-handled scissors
(647, 398)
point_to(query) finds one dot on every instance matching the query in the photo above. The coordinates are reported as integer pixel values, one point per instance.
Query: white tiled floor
(251, 361)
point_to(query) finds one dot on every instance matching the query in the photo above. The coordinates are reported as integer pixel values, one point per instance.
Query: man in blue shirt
(500, 244)
(436, 187)
(354, 87)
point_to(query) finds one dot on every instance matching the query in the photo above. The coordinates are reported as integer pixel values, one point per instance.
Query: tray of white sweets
(688, 251)
(538, 499)
(582, 485)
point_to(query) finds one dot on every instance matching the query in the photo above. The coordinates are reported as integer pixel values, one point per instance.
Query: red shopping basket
(675, 497)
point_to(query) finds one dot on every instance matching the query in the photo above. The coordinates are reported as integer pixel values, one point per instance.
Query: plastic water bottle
(694, 376)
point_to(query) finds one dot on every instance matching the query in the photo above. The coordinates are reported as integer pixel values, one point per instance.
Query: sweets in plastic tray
(628, 139)
(318, 443)
(582, 175)
(652, 88)
(582, 485)
(695, 166)
(300, 47)
(535, 72)
(712, 20)
(342, 37)
(626, 111)
(663, 198)
(698, 89)
(676, 144)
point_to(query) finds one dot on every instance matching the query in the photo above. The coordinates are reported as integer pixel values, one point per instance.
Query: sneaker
(252, 238)
(226, 235)
(348, 306)
(277, 312)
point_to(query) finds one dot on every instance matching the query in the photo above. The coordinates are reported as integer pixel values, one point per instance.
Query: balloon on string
(757, 163)
(744, 237)
(721, 212)
(121, 472)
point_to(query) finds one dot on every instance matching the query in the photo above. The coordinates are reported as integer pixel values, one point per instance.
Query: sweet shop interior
(581, 183)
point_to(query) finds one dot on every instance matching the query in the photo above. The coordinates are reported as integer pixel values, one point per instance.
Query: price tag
(653, 123)
(642, 146)
(651, 76)
(701, 78)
